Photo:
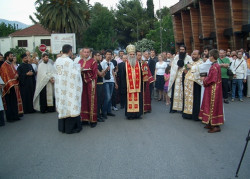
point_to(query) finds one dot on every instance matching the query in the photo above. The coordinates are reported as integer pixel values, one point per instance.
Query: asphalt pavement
(159, 146)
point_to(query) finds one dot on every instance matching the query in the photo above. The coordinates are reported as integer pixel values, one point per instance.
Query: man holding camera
(109, 82)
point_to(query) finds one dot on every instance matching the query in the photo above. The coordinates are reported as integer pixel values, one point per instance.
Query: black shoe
(111, 114)
(85, 123)
(100, 120)
(104, 116)
(173, 111)
(93, 124)
(226, 101)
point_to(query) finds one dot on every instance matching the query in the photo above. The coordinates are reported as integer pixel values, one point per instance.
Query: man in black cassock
(27, 84)
(132, 85)
(122, 89)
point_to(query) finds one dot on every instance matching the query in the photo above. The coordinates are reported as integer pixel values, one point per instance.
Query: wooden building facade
(221, 24)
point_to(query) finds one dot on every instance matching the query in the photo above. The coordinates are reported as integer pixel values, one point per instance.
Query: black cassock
(43, 102)
(27, 86)
(196, 104)
(123, 90)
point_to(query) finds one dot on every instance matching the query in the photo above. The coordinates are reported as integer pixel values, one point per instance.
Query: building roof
(180, 5)
(34, 30)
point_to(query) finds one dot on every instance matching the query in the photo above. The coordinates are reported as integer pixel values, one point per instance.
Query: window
(45, 42)
(22, 43)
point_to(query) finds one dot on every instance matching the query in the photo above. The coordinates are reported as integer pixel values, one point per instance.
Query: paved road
(161, 145)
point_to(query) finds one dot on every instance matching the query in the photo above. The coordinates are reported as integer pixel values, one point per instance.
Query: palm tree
(62, 15)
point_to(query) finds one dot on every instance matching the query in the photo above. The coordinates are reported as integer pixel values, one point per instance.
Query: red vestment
(89, 96)
(212, 105)
(133, 76)
(8, 73)
(147, 79)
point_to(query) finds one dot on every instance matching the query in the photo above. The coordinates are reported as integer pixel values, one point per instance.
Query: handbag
(229, 71)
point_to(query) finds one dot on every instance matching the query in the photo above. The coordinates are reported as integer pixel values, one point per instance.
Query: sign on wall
(58, 40)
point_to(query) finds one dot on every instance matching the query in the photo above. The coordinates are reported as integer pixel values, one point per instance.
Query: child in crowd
(166, 78)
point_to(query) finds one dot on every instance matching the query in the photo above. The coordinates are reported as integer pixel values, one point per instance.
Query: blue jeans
(239, 83)
(108, 90)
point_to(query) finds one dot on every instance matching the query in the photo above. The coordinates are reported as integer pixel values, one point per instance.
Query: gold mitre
(130, 48)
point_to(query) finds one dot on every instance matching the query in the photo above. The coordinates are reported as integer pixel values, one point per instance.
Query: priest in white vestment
(44, 100)
(68, 92)
(176, 81)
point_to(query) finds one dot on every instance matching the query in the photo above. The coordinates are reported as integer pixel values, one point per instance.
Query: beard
(132, 61)
(182, 55)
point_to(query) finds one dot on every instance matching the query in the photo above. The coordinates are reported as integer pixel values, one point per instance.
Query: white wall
(5, 44)
(11, 42)
(33, 41)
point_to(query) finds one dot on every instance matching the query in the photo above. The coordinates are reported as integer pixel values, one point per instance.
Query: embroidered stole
(133, 77)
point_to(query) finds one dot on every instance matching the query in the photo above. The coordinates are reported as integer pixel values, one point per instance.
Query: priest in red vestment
(131, 81)
(211, 112)
(11, 92)
(89, 96)
(147, 78)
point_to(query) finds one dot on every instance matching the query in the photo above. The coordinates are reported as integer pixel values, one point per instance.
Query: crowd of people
(84, 90)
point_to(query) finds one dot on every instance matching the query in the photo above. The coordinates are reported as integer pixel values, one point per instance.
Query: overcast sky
(20, 10)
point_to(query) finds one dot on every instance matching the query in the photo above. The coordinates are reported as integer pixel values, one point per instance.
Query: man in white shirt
(109, 82)
(239, 69)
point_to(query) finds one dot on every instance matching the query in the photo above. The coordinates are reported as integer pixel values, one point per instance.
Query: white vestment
(193, 75)
(45, 72)
(204, 67)
(176, 77)
(68, 87)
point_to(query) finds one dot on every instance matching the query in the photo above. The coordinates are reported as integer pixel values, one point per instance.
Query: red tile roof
(34, 30)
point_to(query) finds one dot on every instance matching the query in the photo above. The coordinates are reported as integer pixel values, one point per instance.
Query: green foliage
(18, 51)
(150, 13)
(144, 45)
(62, 16)
(6, 30)
(101, 33)
(150, 9)
(167, 32)
(126, 25)
(100, 28)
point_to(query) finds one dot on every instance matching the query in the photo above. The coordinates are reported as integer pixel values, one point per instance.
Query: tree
(167, 32)
(101, 34)
(150, 9)
(128, 14)
(18, 51)
(150, 13)
(62, 16)
(6, 30)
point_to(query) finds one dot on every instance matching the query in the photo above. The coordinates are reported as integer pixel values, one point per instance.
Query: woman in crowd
(159, 76)
(14, 62)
